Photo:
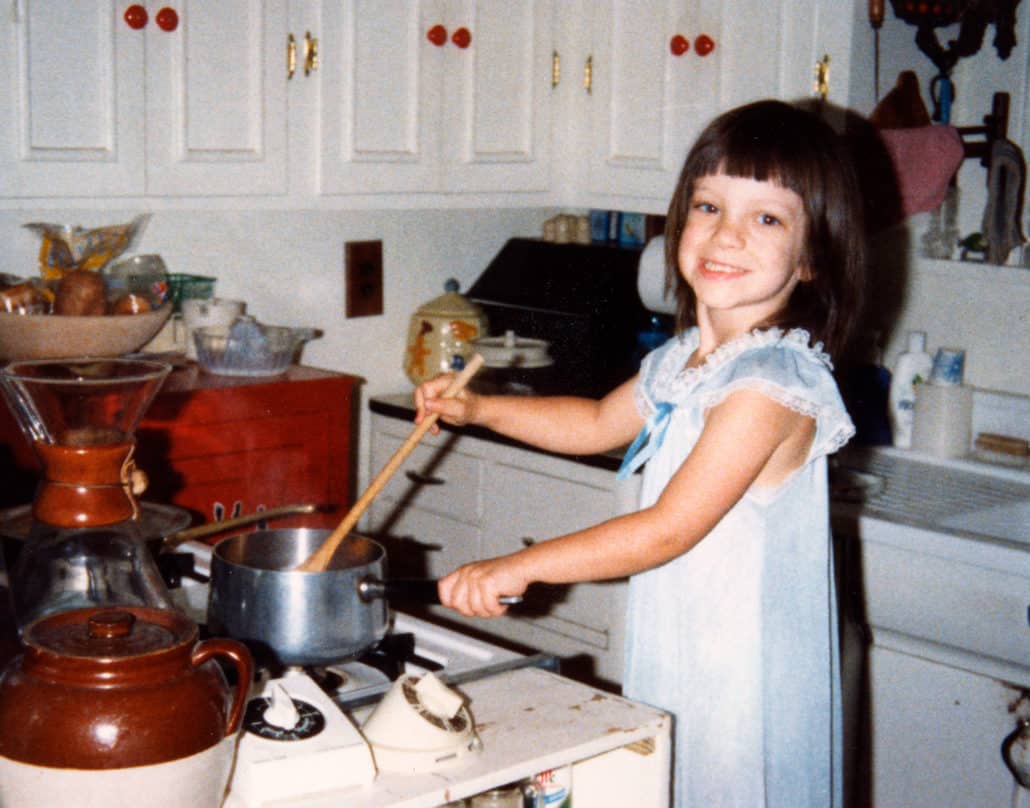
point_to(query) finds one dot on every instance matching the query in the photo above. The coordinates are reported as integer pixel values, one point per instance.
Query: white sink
(1011, 521)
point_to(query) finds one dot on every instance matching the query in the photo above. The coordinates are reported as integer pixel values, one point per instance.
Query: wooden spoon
(319, 560)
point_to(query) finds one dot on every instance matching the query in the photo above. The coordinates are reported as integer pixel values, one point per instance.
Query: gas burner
(328, 679)
(394, 652)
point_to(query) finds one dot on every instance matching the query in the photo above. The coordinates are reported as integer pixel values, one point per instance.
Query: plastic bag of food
(67, 248)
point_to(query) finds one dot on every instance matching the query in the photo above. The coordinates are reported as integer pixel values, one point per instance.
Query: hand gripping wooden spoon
(319, 560)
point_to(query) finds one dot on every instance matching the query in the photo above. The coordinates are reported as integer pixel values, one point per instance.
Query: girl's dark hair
(774, 141)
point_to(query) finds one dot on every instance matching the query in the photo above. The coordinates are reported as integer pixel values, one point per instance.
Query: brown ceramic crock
(109, 688)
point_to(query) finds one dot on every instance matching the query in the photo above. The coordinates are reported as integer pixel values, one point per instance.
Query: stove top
(412, 645)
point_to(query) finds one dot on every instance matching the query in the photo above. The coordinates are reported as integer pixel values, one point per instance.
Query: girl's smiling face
(741, 250)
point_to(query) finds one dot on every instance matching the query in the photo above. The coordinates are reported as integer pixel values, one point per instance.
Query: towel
(1006, 180)
(925, 159)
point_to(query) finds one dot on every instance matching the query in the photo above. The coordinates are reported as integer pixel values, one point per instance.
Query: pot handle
(237, 653)
(422, 591)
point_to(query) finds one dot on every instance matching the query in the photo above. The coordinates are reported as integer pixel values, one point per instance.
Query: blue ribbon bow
(653, 433)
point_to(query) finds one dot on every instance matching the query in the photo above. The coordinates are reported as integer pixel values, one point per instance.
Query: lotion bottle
(912, 367)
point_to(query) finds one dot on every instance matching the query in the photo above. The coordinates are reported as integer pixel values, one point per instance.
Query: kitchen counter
(986, 503)
(529, 721)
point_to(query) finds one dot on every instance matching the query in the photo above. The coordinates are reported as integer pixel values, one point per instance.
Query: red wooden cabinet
(224, 446)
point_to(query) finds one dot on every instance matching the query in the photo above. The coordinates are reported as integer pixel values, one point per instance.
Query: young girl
(731, 625)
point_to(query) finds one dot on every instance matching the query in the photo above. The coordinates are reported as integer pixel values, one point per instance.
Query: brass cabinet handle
(822, 77)
(588, 75)
(310, 53)
(555, 69)
(291, 56)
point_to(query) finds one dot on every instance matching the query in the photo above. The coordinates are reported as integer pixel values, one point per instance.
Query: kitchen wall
(288, 267)
(983, 309)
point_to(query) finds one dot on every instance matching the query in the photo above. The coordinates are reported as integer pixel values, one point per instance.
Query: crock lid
(450, 304)
(109, 633)
(511, 351)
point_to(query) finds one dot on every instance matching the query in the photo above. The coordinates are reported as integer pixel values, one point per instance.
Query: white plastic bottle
(912, 366)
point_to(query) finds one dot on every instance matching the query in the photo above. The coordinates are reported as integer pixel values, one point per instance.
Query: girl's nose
(729, 232)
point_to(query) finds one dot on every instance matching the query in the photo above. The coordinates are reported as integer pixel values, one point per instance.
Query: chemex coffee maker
(86, 543)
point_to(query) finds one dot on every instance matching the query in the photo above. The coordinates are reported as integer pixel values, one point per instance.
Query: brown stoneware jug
(99, 692)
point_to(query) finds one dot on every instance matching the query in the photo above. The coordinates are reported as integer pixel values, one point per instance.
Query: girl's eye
(705, 207)
(768, 218)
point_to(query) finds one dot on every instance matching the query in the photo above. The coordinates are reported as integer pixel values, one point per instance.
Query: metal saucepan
(294, 617)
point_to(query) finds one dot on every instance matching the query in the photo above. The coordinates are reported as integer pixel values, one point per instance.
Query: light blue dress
(737, 638)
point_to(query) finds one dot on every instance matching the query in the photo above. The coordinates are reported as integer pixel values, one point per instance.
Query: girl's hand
(457, 411)
(475, 589)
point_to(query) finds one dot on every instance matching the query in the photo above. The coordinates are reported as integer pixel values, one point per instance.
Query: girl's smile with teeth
(721, 269)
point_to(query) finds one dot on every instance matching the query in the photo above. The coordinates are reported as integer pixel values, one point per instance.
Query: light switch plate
(363, 272)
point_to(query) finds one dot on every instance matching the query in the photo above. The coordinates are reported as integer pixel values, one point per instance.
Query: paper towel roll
(651, 278)
(943, 420)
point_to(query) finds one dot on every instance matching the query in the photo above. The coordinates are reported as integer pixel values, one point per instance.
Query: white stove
(302, 729)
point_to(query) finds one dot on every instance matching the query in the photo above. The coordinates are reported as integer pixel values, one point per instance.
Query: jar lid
(450, 304)
(109, 633)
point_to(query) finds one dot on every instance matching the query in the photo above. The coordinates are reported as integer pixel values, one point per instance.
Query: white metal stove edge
(531, 720)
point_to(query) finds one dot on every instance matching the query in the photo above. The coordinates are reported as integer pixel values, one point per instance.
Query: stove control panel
(296, 738)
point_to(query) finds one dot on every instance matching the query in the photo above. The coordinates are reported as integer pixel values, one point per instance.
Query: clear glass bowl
(249, 348)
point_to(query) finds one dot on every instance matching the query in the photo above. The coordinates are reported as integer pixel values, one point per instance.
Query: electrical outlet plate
(363, 273)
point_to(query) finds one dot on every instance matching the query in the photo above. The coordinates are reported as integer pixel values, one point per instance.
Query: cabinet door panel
(649, 104)
(433, 477)
(216, 100)
(497, 98)
(632, 108)
(937, 733)
(380, 96)
(519, 506)
(71, 100)
(420, 543)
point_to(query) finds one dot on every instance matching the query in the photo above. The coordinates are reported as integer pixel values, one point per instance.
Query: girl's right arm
(563, 424)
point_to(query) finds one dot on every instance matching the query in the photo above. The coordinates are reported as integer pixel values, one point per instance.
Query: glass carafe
(86, 546)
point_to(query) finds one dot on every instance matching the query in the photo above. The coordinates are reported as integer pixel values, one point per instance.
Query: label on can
(554, 788)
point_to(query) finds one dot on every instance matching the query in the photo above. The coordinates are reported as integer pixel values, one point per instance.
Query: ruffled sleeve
(786, 369)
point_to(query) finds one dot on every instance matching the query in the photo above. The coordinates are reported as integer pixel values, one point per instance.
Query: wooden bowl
(54, 336)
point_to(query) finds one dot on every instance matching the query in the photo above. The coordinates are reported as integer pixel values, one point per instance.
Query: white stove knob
(281, 712)
(437, 697)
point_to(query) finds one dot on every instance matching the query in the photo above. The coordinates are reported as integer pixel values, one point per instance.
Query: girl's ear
(805, 274)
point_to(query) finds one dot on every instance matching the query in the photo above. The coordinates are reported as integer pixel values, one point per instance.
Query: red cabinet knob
(462, 38)
(135, 17)
(167, 19)
(704, 45)
(679, 45)
(437, 35)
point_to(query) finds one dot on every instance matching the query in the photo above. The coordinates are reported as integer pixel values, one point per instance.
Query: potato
(81, 292)
(131, 304)
(22, 298)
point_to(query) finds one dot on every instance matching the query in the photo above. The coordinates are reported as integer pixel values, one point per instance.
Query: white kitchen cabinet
(937, 733)
(459, 498)
(662, 69)
(192, 102)
(435, 96)
(937, 571)
(399, 103)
